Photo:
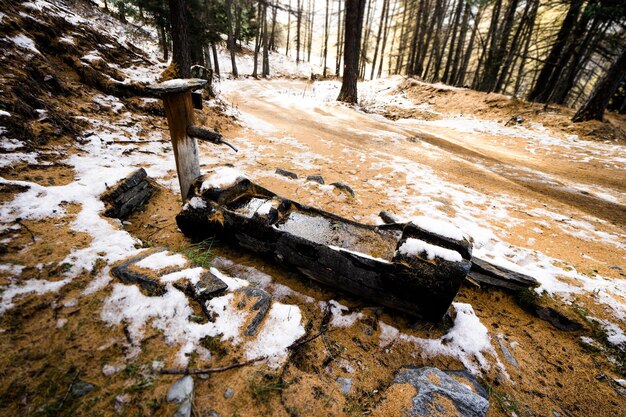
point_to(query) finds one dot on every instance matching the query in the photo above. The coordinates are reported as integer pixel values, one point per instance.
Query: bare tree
(355, 9)
(180, 38)
(594, 107)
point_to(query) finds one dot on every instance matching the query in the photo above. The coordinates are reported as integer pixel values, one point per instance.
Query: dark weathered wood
(127, 195)
(208, 136)
(207, 287)
(204, 134)
(177, 86)
(360, 259)
(485, 273)
(176, 95)
(180, 116)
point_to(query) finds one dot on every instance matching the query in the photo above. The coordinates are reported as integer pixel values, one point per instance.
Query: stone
(262, 301)
(287, 174)
(184, 410)
(436, 389)
(345, 384)
(344, 187)
(505, 350)
(557, 319)
(229, 393)
(388, 217)
(181, 390)
(81, 388)
(315, 178)
(120, 401)
(128, 276)
(207, 287)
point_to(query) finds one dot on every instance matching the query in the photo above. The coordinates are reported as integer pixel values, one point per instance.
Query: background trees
(549, 51)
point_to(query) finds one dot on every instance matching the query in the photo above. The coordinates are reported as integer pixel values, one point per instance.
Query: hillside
(536, 194)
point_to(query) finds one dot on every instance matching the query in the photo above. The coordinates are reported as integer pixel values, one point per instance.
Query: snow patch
(439, 227)
(161, 260)
(221, 177)
(233, 283)
(25, 42)
(338, 311)
(416, 247)
(281, 328)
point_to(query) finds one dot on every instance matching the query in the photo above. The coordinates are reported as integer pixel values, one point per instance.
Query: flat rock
(388, 217)
(124, 273)
(81, 388)
(343, 187)
(184, 410)
(287, 174)
(345, 384)
(207, 287)
(558, 320)
(228, 393)
(315, 178)
(504, 347)
(437, 390)
(181, 390)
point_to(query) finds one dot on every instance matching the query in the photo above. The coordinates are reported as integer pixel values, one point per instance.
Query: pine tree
(355, 9)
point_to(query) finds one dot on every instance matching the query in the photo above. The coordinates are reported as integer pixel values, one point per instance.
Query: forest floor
(537, 194)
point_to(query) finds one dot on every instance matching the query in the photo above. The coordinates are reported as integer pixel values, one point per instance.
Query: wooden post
(176, 95)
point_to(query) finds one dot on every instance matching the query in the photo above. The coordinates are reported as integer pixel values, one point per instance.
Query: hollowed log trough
(363, 260)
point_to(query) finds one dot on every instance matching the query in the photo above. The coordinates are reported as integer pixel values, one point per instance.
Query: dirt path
(505, 183)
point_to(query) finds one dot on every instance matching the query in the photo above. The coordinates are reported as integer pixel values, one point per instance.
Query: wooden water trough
(378, 263)
(399, 265)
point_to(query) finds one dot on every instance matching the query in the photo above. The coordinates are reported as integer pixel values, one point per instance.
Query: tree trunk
(541, 91)
(237, 23)
(366, 37)
(298, 29)
(310, 43)
(459, 49)
(385, 36)
(451, 50)
(577, 62)
(339, 49)
(494, 60)
(594, 107)
(383, 16)
(231, 40)
(434, 58)
(288, 29)
(266, 52)
(180, 38)
(326, 28)
(217, 62)
(355, 9)
(460, 78)
(393, 44)
(273, 32)
(513, 49)
(257, 43)
(402, 46)
(163, 41)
